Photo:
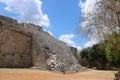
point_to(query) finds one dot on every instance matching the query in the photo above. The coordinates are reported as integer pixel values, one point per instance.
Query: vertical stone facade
(15, 49)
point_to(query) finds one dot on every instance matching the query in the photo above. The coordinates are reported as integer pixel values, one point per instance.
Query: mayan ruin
(25, 45)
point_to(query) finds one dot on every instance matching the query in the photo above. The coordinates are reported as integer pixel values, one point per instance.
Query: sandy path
(28, 74)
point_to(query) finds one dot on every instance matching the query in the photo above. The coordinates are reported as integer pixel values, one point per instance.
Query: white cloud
(28, 11)
(78, 48)
(88, 5)
(81, 3)
(90, 43)
(67, 38)
(48, 32)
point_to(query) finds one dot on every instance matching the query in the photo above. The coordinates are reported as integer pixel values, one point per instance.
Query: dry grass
(32, 74)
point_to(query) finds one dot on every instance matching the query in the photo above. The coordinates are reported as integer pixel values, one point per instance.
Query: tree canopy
(102, 20)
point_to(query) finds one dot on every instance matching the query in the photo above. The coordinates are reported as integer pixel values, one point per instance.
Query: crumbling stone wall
(26, 45)
(15, 48)
(74, 51)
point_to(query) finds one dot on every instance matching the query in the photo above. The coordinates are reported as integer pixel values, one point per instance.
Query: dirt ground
(33, 74)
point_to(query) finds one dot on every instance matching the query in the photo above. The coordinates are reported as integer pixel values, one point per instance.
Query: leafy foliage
(94, 57)
(112, 52)
(103, 55)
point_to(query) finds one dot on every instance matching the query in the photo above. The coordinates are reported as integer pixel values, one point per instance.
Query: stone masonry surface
(27, 45)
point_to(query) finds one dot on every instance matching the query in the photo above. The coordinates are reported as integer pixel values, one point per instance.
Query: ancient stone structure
(27, 45)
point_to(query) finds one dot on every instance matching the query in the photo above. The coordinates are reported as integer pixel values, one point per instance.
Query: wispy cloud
(87, 6)
(67, 38)
(28, 11)
(90, 43)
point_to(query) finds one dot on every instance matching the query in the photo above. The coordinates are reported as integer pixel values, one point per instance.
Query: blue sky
(59, 17)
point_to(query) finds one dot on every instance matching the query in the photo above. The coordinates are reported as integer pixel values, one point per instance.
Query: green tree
(94, 56)
(98, 56)
(112, 53)
(101, 23)
(84, 54)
